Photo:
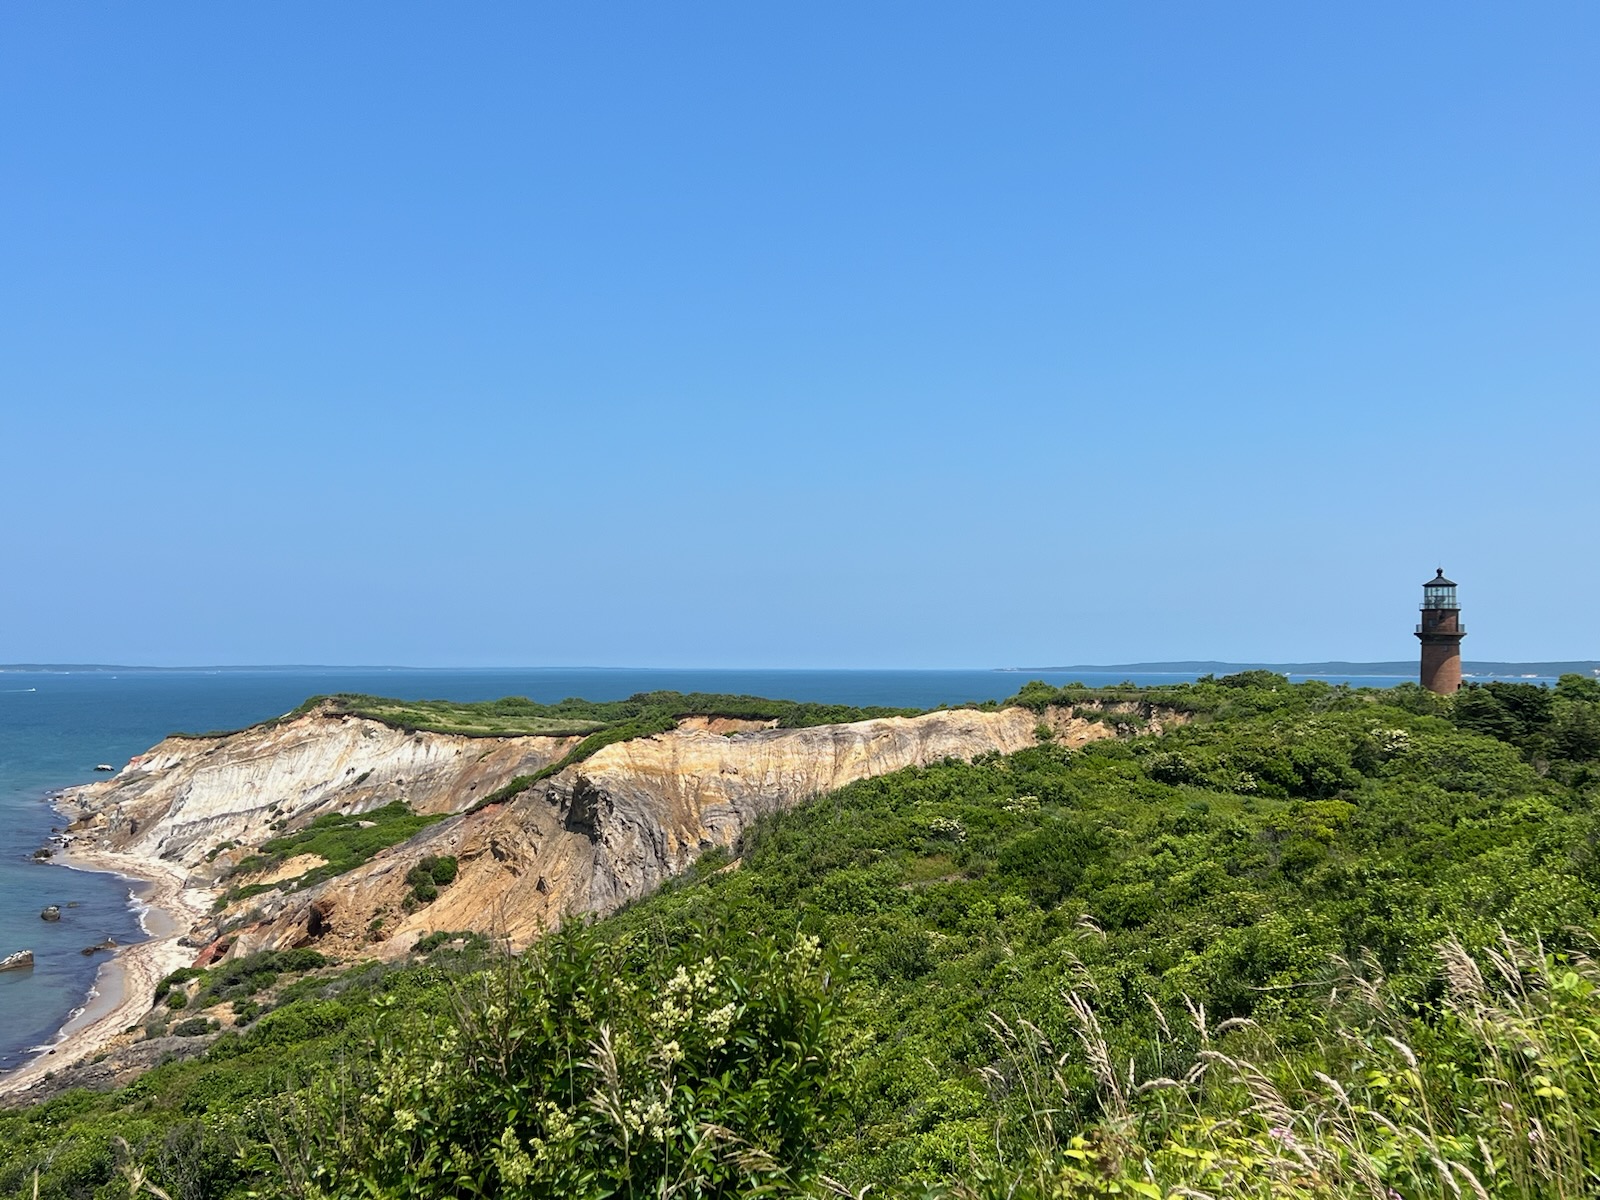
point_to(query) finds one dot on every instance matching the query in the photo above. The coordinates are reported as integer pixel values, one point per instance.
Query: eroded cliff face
(189, 795)
(587, 840)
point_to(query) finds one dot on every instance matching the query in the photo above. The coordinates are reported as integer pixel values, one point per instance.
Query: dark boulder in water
(51, 913)
(21, 960)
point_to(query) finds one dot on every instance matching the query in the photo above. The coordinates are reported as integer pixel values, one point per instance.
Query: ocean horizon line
(1172, 666)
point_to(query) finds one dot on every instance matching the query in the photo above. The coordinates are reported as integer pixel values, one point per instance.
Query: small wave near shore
(122, 991)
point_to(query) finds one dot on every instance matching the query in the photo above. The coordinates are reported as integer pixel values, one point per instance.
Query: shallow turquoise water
(55, 726)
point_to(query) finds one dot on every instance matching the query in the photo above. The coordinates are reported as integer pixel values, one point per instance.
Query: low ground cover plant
(343, 840)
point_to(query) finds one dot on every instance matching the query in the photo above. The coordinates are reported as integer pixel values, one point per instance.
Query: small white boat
(104, 767)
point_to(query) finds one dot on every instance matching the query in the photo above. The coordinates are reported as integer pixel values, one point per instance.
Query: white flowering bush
(580, 1069)
(947, 827)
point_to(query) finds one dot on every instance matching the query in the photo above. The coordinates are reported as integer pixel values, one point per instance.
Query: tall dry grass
(1491, 1091)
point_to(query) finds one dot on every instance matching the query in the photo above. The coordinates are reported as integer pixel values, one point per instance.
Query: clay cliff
(586, 840)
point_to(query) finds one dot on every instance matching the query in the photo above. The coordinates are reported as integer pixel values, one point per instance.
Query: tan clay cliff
(597, 835)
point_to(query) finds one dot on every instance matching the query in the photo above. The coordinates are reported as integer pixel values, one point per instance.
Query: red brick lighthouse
(1441, 632)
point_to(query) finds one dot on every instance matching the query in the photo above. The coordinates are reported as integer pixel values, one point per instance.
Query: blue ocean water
(55, 726)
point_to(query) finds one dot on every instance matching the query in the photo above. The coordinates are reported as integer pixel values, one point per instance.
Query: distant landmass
(81, 668)
(1403, 669)
(1406, 668)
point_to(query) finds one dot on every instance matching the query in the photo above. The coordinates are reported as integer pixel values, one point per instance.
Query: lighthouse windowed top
(1439, 592)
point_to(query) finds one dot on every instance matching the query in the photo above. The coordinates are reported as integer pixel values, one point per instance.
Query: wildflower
(513, 1163)
(648, 1120)
(717, 1022)
(705, 973)
(672, 1015)
(557, 1124)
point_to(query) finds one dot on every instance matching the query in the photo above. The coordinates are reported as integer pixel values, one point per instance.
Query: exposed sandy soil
(127, 980)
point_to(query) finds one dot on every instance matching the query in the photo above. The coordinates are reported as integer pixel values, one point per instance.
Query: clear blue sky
(796, 335)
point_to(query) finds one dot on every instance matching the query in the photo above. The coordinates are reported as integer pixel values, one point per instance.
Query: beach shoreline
(124, 987)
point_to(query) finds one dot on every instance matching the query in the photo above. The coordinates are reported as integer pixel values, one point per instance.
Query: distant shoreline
(1399, 669)
(1404, 669)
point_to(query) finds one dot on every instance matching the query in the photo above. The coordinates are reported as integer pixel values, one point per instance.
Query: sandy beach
(127, 980)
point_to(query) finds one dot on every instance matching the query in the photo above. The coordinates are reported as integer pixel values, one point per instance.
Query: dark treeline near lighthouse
(1272, 939)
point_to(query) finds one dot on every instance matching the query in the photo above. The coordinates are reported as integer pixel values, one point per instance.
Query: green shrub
(573, 1072)
(427, 877)
(245, 1011)
(473, 945)
(432, 941)
(444, 870)
(181, 975)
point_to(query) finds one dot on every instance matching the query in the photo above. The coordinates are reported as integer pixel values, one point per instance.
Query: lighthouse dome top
(1439, 593)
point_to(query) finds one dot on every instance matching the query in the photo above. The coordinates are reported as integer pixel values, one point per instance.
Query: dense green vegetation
(516, 715)
(237, 980)
(1556, 729)
(642, 713)
(1313, 942)
(428, 876)
(587, 1069)
(343, 840)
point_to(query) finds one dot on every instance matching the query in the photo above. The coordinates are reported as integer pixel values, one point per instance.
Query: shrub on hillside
(428, 876)
(572, 1072)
